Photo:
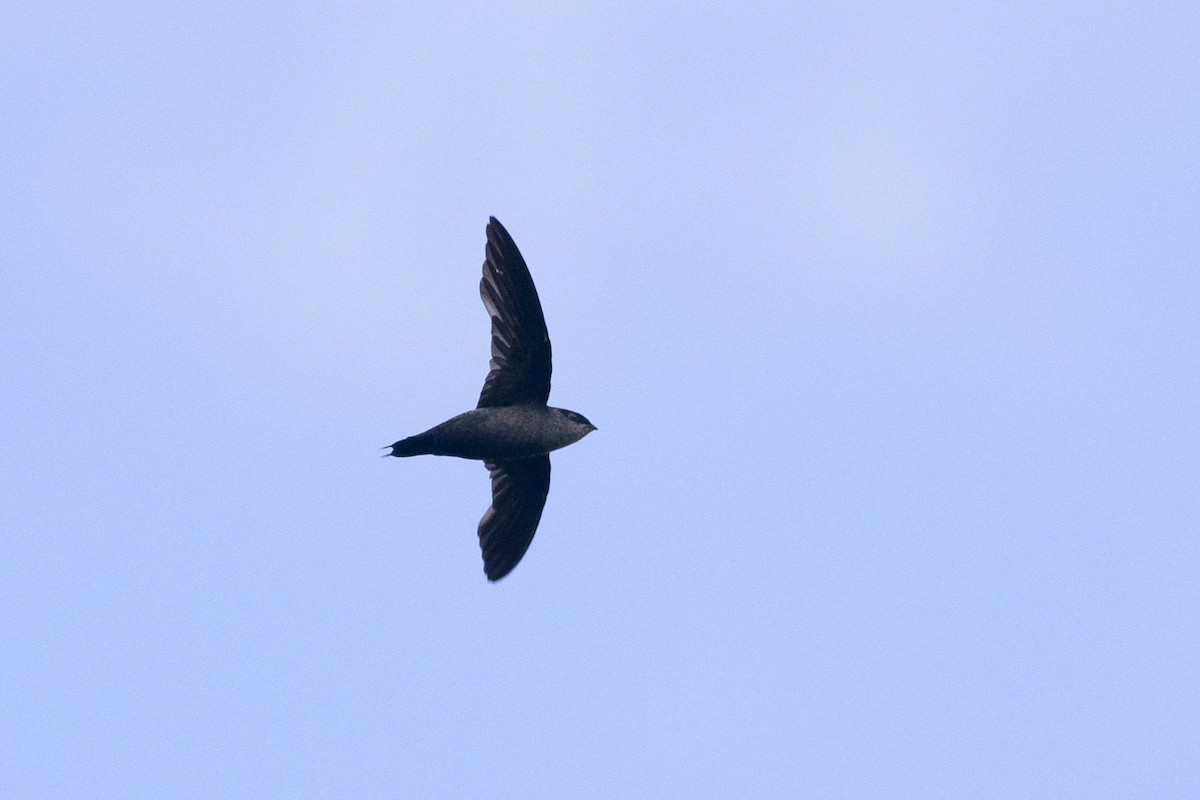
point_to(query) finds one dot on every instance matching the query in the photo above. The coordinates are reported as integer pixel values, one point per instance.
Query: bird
(511, 430)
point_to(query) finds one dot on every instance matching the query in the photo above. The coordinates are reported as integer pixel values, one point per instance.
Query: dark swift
(512, 430)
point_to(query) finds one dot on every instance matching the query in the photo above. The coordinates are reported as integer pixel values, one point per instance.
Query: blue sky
(886, 313)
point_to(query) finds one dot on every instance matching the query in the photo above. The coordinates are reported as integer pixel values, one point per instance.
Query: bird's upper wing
(519, 491)
(520, 365)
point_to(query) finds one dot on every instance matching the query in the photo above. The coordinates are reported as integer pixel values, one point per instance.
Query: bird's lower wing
(519, 490)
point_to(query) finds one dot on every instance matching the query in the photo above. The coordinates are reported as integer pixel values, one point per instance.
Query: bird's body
(497, 434)
(512, 430)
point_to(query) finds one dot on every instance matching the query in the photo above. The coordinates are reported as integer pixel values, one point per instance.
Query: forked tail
(411, 446)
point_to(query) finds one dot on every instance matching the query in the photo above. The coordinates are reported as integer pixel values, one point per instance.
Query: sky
(886, 313)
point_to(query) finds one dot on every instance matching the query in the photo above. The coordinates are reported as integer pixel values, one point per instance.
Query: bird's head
(579, 422)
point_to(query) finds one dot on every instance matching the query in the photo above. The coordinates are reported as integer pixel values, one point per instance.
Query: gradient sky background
(886, 312)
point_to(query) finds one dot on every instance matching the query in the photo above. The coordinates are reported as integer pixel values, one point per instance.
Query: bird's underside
(512, 429)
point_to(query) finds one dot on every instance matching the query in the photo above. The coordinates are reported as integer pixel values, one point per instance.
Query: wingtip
(496, 575)
(496, 227)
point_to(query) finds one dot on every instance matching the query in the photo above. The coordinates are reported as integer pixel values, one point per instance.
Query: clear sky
(886, 312)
